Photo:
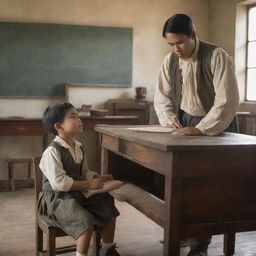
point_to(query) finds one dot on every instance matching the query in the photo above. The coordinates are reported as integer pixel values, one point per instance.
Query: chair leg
(39, 240)
(51, 242)
(96, 242)
(229, 244)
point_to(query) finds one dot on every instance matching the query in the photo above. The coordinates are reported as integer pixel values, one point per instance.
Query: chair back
(38, 176)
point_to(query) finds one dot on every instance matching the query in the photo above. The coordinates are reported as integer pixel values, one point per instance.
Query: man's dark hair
(55, 114)
(178, 24)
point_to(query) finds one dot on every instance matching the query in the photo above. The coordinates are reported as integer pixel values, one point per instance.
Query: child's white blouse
(52, 167)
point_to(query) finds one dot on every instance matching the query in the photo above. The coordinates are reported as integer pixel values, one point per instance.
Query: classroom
(187, 185)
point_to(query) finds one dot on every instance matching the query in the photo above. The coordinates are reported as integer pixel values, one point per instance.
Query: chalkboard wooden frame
(109, 64)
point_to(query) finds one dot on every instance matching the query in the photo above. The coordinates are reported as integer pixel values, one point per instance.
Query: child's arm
(96, 183)
(105, 177)
(52, 168)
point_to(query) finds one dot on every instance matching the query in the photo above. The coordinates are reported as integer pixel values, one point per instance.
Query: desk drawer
(17, 128)
(109, 143)
(148, 157)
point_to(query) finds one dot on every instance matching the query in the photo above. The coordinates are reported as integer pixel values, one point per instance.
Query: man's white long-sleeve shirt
(225, 86)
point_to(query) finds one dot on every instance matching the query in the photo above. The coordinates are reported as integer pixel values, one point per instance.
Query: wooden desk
(209, 181)
(33, 126)
(23, 127)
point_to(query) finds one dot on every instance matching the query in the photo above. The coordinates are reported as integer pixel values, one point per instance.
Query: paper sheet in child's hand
(108, 186)
(152, 129)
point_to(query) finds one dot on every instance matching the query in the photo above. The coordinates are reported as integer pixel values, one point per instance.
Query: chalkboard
(38, 59)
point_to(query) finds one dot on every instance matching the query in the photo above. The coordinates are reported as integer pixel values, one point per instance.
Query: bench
(146, 203)
(153, 207)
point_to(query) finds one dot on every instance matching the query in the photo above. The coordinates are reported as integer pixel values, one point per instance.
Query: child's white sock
(80, 254)
(106, 246)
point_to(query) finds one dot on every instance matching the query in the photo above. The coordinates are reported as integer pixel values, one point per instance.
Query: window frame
(247, 47)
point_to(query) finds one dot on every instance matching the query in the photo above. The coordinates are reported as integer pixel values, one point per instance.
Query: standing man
(196, 90)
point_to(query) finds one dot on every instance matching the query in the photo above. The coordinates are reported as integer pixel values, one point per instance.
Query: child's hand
(96, 183)
(106, 177)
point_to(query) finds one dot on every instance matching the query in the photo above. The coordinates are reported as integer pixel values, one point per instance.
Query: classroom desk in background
(23, 127)
(91, 121)
(209, 180)
(33, 126)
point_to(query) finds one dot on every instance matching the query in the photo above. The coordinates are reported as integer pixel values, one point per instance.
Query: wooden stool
(11, 164)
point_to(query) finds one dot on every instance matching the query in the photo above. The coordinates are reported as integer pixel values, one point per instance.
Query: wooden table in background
(126, 107)
(91, 121)
(33, 126)
(209, 181)
(23, 127)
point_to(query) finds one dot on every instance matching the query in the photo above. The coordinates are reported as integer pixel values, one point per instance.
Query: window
(251, 55)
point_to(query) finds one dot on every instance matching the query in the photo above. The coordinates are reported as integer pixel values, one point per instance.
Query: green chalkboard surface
(38, 59)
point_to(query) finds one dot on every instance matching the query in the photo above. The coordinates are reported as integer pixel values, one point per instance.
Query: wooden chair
(52, 232)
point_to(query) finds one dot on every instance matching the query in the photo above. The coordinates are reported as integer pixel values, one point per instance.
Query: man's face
(181, 44)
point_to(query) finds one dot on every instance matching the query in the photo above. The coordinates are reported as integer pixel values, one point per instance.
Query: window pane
(251, 55)
(251, 84)
(252, 24)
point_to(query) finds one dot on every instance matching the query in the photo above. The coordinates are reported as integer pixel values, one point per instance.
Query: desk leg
(229, 243)
(104, 161)
(172, 217)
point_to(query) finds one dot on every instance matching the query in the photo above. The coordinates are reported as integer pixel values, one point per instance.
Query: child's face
(71, 124)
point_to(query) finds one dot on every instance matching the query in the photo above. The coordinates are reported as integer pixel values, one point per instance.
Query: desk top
(169, 142)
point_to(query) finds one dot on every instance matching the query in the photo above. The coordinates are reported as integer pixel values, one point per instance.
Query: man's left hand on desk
(192, 131)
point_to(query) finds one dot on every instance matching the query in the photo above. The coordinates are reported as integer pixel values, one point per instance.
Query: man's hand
(174, 125)
(191, 131)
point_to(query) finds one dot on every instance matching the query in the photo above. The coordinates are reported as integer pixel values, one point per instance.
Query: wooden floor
(135, 234)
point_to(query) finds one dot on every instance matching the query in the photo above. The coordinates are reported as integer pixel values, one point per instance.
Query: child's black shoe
(109, 252)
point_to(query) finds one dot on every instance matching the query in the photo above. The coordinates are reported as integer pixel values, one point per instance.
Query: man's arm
(162, 102)
(226, 95)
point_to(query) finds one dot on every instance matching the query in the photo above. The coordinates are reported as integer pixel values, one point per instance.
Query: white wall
(146, 17)
(222, 16)
(227, 28)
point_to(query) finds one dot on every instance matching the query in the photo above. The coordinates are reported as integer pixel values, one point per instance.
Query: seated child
(65, 174)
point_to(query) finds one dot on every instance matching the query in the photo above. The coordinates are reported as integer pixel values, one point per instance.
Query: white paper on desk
(152, 129)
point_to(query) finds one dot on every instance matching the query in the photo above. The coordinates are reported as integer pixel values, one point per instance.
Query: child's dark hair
(178, 24)
(55, 114)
